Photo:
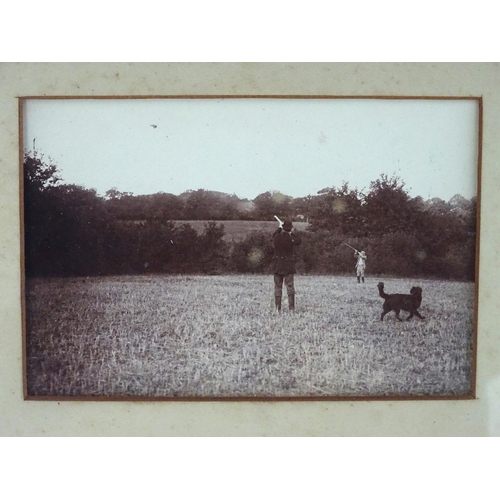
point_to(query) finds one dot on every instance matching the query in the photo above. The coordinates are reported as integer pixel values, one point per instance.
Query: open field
(238, 230)
(218, 336)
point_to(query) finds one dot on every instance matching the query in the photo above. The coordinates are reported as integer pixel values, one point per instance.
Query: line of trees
(200, 204)
(71, 231)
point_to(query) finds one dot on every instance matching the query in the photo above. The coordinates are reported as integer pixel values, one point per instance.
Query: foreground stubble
(219, 336)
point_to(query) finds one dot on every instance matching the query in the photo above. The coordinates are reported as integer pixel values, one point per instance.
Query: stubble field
(219, 336)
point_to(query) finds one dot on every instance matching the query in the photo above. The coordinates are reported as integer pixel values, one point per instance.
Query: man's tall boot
(291, 302)
(363, 278)
(277, 302)
(359, 280)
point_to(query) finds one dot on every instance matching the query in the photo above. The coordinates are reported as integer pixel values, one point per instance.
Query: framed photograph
(251, 247)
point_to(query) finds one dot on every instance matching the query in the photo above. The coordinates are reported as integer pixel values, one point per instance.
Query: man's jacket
(284, 242)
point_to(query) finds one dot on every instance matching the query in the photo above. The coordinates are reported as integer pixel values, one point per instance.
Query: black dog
(399, 301)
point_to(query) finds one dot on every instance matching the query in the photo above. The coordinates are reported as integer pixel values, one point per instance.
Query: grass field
(219, 336)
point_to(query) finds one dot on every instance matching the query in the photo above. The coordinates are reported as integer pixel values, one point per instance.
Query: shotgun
(350, 247)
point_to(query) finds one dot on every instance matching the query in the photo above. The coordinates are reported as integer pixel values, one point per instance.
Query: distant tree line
(71, 231)
(199, 205)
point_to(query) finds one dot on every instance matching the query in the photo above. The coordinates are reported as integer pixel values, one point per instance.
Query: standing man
(360, 265)
(284, 242)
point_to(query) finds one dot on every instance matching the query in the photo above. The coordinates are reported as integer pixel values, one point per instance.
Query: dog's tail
(381, 291)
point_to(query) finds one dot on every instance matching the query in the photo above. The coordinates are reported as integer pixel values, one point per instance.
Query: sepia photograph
(250, 248)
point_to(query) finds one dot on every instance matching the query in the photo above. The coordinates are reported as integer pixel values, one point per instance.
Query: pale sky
(250, 146)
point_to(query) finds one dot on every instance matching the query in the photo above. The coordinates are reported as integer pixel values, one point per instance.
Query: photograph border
(474, 417)
(104, 398)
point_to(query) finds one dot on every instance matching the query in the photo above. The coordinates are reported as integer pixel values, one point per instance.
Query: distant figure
(360, 265)
(284, 242)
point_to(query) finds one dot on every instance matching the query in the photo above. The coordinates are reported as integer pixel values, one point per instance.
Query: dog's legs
(385, 310)
(419, 315)
(397, 314)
